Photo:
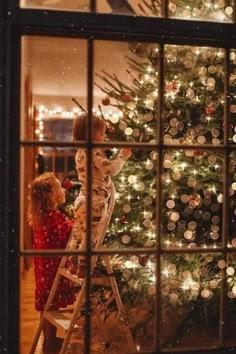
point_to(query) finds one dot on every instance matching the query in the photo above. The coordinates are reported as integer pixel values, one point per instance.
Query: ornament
(111, 129)
(106, 101)
(201, 139)
(139, 186)
(205, 293)
(122, 126)
(213, 284)
(188, 234)
(222, 264)
(132, 179)
(174, 216)
(148, 201)
(151, 290)
(198, 153)
(148, 117)
(114, 119)
(136, 132)
(170, 204)
(153, 155)
(128, 131)
(208, 110)
(67, 184)
(229, 10)
(123, 220)
(149, 165)
(126, 97)
(143, 259)
(147, 223)
(126, 239)
(230, 271)
(171, 226)
(126, 209)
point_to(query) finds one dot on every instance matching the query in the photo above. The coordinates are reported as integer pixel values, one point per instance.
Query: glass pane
(36, 161)
(208, 10)
(131, 7)
(54, 70)
(35, 283)
(65, 5)
(232, 202)
(190, 298)
(192, 198)
(127, 76)
(230, 269)
(232, 96)
(127, 317)
(194, 95)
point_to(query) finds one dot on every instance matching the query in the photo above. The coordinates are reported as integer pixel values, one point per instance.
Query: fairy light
(165, 272)
(183, 165)
(152, 278)
(122, 178)
(179, 244)
(137, 228)
(187, 284)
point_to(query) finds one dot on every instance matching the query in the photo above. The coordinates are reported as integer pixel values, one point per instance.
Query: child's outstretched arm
(111, 167)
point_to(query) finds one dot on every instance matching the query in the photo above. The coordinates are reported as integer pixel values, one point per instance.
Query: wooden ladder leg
(75, 315)
(118, 300)
(36, 337)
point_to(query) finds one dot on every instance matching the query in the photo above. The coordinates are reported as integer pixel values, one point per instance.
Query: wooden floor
(29, 320)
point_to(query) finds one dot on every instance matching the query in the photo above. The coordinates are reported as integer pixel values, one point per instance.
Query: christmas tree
(183, 150)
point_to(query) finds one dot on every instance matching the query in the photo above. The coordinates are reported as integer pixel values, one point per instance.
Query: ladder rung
(73, 277)
(61, 319)
(103, 280)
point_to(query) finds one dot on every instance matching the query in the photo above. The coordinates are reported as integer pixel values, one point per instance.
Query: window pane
(190, 300)
(192, 201)
(230, 299)
(208, 10)
(194, 95)
(232, 96)
(34, 286)
(65, 5)
(127, 77)
(128, 321)
(131, 7)
(232, 202)
(54, 70)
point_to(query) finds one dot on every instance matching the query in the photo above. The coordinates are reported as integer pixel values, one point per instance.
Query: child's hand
(126, 152)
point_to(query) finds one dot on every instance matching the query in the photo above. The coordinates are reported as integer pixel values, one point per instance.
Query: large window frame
(91, 26)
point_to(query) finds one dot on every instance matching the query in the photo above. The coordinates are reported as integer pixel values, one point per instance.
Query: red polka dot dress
(53, 234)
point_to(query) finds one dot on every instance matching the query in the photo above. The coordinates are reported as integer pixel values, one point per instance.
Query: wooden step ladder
(66, 319)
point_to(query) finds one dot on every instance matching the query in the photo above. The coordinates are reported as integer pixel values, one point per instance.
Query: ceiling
(57, 67)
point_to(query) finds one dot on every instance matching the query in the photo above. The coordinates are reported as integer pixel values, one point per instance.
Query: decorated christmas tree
(172, 188)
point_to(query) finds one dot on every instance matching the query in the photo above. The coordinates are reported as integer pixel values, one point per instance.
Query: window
(169, 242)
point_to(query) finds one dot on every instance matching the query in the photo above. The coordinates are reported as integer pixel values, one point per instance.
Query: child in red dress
(51, 230)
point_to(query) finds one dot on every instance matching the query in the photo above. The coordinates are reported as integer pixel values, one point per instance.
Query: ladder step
(61, 319)
(103, 280)
(73, 277)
